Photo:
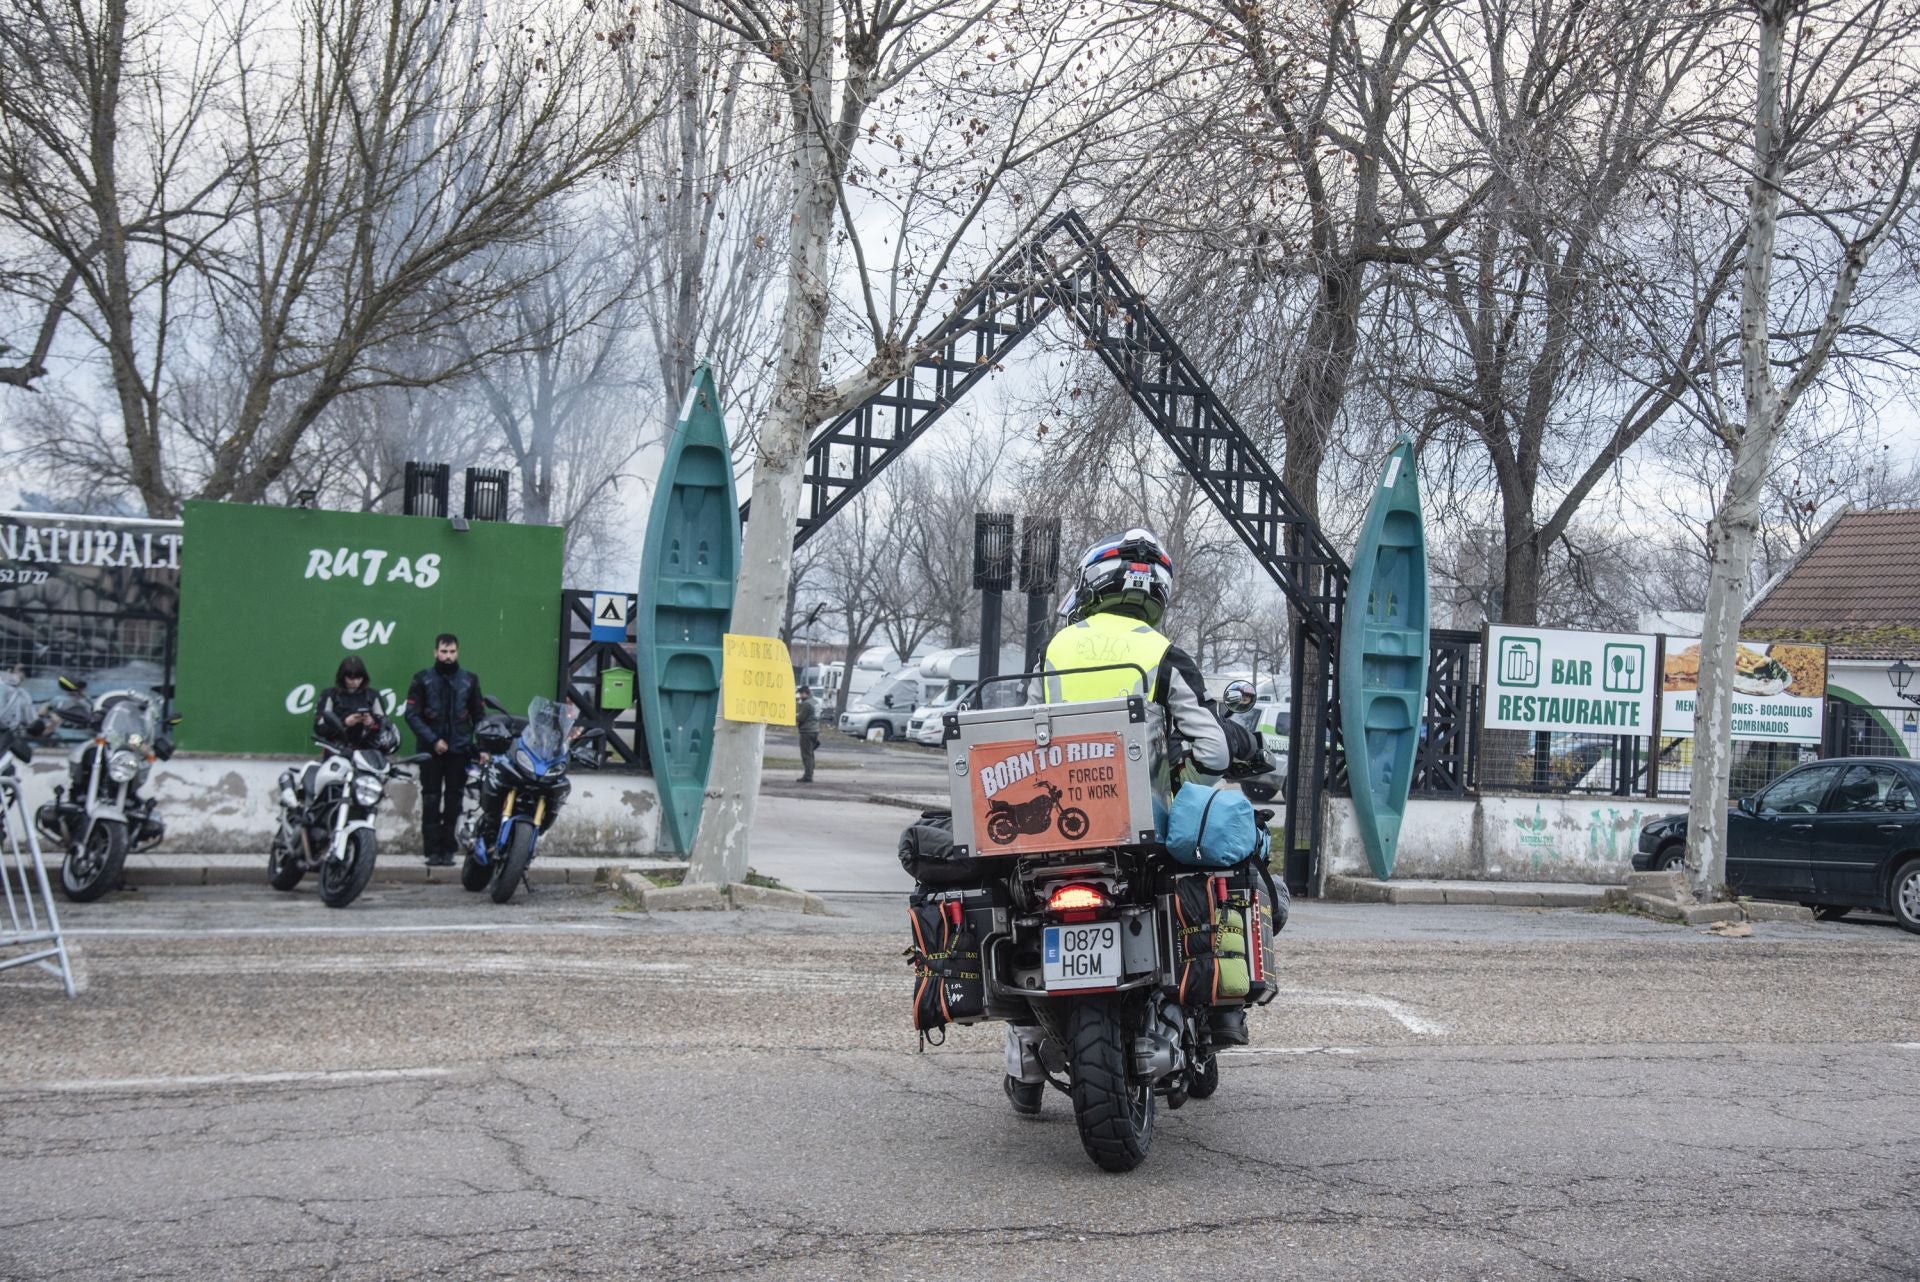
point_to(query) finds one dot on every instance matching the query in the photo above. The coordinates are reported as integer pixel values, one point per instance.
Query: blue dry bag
(1212, 827)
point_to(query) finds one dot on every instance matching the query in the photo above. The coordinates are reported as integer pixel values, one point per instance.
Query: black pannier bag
(1248, 884)
(1210, 942)
(948, 987)
(926, 852)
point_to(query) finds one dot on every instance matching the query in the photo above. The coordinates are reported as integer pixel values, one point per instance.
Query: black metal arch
(1066, 269)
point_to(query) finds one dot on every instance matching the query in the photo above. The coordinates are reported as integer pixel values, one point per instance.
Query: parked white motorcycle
(327, 811)
(100, 816)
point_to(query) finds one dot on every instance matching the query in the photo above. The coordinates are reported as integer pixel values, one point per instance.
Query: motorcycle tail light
(1074, 901)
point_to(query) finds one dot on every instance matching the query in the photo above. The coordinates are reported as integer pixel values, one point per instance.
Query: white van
(886, 711)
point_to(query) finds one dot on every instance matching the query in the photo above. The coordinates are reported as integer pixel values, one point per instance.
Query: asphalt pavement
(427, 1085)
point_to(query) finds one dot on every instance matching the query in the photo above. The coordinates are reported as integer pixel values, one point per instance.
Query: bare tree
(109, 170)
(1835, 142)
(559, 395)
(854, 550)
(1004, 106)
(319, 219)
(704, 210)
(1549, 353)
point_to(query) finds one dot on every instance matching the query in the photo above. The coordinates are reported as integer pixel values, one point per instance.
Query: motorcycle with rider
(1120, 949)
(327, 808)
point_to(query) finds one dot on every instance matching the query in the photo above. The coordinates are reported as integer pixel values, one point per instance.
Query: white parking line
(237, 1079)
(475, 927)
(1906, 1046)
(1419, 1025)
(1288, 1050)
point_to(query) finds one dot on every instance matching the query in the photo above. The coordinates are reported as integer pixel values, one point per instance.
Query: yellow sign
(756, 681)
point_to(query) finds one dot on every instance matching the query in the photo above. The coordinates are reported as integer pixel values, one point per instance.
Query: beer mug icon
(1520, 662)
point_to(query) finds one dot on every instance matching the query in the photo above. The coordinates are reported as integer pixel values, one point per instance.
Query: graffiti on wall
(1610, 833)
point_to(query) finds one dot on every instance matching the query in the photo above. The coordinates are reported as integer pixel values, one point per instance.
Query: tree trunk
(1520, 590)
(1730, 536)
(733, 785)
(137, 414)
(1319, 385)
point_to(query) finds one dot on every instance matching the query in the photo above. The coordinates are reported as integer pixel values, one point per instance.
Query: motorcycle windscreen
(1070, 794)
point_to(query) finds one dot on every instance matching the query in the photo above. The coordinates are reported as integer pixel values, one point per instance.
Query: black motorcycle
(522, 786)
(1006, 821)
(1121, 970)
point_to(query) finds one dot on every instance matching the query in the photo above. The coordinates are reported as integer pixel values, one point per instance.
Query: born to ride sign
(1583, 682)
(1067, 794)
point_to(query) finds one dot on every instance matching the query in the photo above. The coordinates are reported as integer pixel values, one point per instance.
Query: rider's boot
(1026, 1080)
(1229, 1025)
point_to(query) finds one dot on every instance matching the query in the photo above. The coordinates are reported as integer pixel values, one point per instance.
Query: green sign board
(1551, 679)
(272, 598)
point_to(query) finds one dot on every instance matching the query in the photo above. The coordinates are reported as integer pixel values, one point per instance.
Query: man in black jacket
(443, 706)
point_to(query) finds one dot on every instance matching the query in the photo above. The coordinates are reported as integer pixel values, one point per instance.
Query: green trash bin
(616, 689)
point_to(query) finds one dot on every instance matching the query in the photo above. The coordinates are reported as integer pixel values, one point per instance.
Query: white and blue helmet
(1131, 569)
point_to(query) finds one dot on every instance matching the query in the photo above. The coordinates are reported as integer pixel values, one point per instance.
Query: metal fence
(102, 647)
(1854, 730)
(582, 661)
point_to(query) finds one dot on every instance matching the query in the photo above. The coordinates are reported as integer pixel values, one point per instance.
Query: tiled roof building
(1855, 588)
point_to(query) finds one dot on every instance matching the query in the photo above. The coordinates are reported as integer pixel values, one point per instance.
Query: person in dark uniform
(443, 706)
(806, 720)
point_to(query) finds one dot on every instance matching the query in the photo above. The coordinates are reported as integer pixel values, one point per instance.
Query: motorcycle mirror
(491, 702)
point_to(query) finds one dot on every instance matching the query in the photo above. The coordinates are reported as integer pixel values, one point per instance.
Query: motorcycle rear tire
(89, 873)
(1001, 828)
(284, 870)
(1113, 1111)
(513, 863)
(474, 875)
(342, 880)
(1204, 1081)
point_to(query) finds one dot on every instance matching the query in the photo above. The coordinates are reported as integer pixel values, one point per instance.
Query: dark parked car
(1834, 835)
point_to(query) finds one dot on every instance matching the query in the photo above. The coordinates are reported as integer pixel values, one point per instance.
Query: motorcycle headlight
(524, 759)
(122, 765)
(367, 790)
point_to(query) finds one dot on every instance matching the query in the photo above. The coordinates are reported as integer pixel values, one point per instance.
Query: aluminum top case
(1057, 776)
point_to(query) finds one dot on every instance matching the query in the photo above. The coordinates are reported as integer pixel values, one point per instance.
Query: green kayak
(1383, 657)
(687, 575)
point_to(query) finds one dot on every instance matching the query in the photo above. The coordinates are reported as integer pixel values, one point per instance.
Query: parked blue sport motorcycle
(521, 787)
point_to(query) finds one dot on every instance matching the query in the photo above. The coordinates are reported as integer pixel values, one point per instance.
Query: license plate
(1081, 956)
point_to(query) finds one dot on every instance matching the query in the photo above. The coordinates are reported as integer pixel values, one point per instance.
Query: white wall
(1577, 839)
(228, 805)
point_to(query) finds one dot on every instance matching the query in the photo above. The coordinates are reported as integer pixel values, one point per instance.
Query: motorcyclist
(1119, 599)
(1240, 704)
(348, 714)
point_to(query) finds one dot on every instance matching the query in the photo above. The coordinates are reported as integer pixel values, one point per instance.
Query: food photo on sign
(1779, 689)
